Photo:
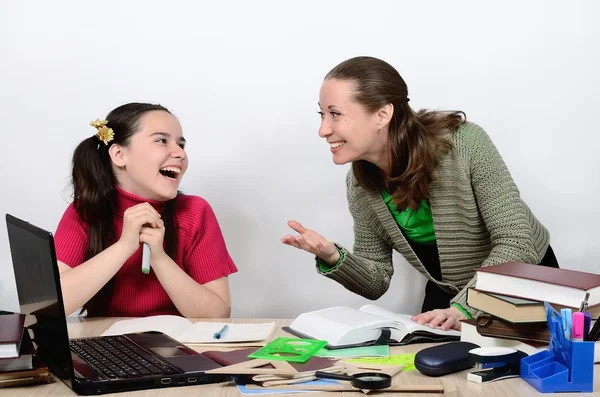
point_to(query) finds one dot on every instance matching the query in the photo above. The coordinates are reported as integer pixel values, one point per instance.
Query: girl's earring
(122, 166)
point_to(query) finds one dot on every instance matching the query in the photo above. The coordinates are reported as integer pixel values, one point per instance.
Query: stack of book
(511, 297)
(18, 364)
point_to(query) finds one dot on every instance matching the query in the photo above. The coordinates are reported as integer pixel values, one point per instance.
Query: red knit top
(201, 253)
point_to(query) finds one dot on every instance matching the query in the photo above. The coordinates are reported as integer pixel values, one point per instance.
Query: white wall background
(243, 78)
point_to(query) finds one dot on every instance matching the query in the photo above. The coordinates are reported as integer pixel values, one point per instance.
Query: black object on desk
(594, 334)
(363, 380)
(444, 359)
(502, 363)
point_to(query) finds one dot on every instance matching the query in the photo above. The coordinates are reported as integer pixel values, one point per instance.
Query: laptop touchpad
(173, 351)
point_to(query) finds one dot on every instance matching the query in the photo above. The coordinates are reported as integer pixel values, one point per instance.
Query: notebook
(540, 283)
(344, 327)
(199, 333)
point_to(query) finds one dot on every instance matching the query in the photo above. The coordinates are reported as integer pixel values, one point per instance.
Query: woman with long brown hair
(125, 179)
(427, 184)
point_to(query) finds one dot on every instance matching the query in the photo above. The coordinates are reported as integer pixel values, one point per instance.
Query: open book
(184, 331)
(342, 326)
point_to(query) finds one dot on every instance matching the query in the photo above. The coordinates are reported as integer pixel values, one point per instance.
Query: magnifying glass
(362, 380)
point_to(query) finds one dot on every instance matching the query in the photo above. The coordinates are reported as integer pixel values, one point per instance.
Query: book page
(203, 332)
(170, 325)
(381, 312)
(515, 301)
(349, 317)
(405, 319)
(340, 325)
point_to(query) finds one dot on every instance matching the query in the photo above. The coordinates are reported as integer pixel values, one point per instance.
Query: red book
(11, 332)
(540, 283)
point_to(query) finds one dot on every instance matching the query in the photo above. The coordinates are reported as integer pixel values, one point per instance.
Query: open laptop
(92, 365)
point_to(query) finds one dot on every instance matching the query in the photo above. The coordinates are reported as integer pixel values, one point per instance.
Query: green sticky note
(363, 351)
(407, 360)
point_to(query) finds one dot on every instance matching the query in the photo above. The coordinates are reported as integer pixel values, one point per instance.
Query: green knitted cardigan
(479, 219)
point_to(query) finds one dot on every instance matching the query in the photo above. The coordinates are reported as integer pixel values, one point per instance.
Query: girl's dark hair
(94, 198)
(416, 139)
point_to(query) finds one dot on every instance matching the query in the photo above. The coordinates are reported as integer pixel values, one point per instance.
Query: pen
(577, 333)
(220, 333)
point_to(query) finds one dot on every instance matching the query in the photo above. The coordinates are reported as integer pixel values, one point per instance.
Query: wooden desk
(93, 327)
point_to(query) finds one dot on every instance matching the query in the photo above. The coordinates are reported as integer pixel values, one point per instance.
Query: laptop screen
(40, 296)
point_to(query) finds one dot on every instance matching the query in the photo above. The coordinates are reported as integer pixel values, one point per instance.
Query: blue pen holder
(566, 367)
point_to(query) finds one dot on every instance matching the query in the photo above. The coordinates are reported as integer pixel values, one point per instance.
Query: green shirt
(416, 225)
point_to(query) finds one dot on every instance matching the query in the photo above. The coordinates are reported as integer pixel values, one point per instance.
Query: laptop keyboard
(117, 357)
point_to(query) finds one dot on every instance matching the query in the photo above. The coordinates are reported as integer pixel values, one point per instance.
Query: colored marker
(577, 330)
(567, 318)
(145, 258)
(587, 321)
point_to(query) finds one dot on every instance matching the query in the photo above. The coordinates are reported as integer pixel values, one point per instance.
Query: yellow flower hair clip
(104, 133)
